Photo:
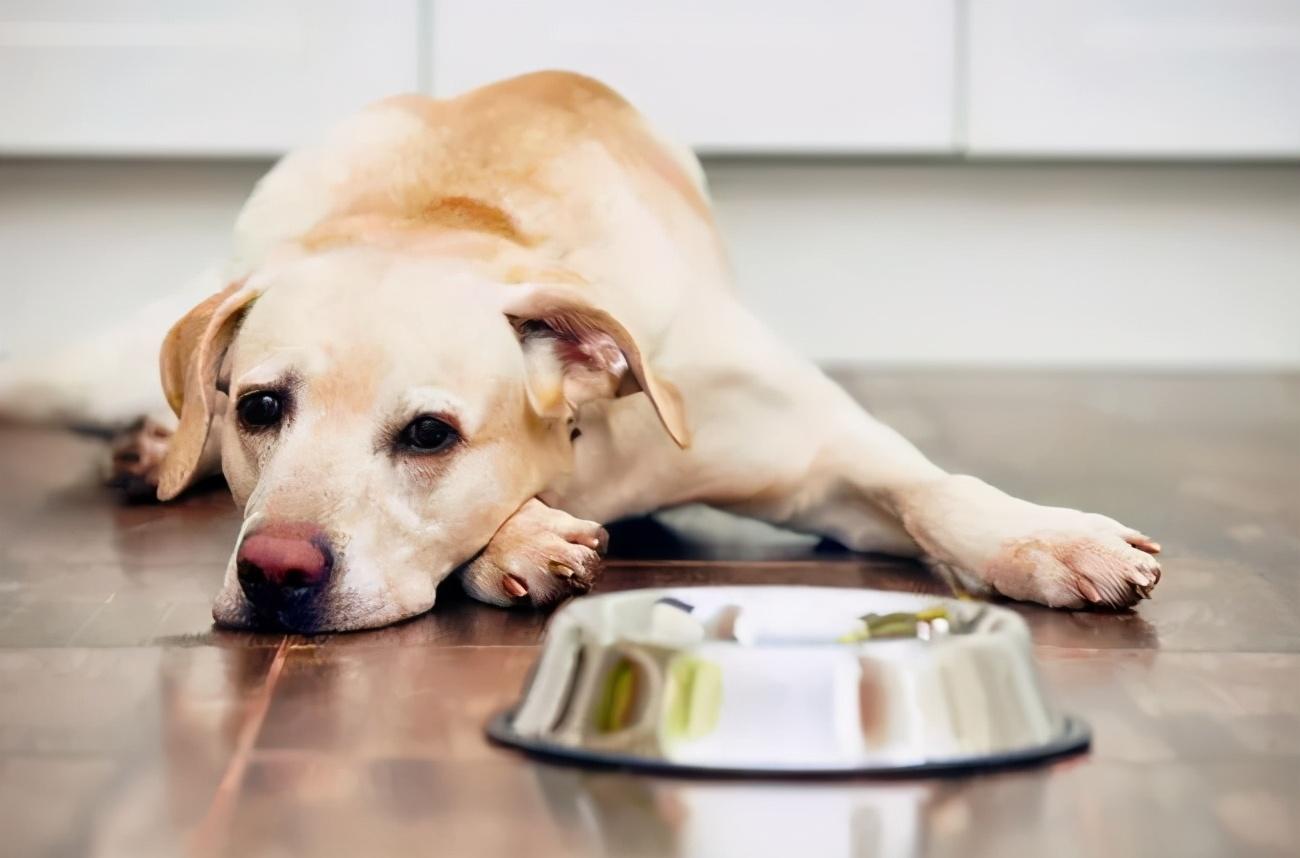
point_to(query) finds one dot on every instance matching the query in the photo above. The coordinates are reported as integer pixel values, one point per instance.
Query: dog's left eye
(427, 435)
(260, 409)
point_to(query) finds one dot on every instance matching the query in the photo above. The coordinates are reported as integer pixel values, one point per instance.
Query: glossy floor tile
(130, 727)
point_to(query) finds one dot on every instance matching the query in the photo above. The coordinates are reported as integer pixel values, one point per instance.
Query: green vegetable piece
(901, 624)
(694, 698)
(616, 702)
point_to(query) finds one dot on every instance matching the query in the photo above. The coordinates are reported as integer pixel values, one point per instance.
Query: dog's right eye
(260, 409)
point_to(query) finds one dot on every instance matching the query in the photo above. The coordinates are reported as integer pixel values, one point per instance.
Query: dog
(458, 335)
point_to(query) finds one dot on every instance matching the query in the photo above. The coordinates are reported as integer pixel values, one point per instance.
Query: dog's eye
(427, 435)
(260, 409)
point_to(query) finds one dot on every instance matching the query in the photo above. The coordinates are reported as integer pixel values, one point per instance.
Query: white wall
(1087, 264)
(85, 242)
(930, 262)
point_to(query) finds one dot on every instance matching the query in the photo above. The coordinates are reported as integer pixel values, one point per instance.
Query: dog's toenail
(514, 586)
(559, 569)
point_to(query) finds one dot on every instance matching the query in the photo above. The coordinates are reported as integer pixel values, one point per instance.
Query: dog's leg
(989, 540)
(866, 486)
(539, 556)
(776, 439)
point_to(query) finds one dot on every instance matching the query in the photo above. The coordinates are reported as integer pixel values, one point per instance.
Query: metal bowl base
(1075, 738)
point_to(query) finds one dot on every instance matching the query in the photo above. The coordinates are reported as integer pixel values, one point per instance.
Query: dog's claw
(1144, 543)
(1088, 591)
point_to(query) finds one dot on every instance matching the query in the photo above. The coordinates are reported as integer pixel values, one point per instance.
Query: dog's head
(378, 419)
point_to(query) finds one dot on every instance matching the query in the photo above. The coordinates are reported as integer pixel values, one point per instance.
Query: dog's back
(553, 161)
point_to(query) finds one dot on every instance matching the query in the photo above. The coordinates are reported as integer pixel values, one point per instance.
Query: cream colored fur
(392, 270)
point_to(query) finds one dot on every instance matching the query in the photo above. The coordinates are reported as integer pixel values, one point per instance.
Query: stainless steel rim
(1075, 737)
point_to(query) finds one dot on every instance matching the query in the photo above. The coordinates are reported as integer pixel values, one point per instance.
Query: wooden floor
(128, 726)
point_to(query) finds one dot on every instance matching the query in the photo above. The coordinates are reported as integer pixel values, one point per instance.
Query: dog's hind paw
(538, 557)
(136, 456)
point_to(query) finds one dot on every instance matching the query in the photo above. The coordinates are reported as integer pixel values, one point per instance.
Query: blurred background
(997, 182)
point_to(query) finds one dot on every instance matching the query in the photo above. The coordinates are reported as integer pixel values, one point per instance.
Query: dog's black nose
(283, 567)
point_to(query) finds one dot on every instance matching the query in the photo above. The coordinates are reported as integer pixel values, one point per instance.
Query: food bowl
(786, 680)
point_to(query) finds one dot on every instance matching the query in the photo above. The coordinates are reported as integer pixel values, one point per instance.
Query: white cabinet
(729, 75)
(200, 77)
(1134, 78)
(981, 78)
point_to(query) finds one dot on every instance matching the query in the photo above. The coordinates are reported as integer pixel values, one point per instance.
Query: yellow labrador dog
(458, 335)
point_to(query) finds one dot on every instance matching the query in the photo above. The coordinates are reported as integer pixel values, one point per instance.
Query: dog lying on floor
(458, 335)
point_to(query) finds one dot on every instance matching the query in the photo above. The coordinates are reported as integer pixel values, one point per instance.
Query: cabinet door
(194, 77)
(729, 75)
(1182, 78)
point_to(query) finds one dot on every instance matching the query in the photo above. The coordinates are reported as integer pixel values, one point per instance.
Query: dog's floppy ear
(191, 357)
(577, 353)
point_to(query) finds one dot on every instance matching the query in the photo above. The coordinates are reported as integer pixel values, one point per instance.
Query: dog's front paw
(136, 456)
(1055, 556)
(1094, 562)
(538, 557)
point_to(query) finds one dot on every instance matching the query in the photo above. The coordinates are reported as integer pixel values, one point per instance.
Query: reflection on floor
(128, 726)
